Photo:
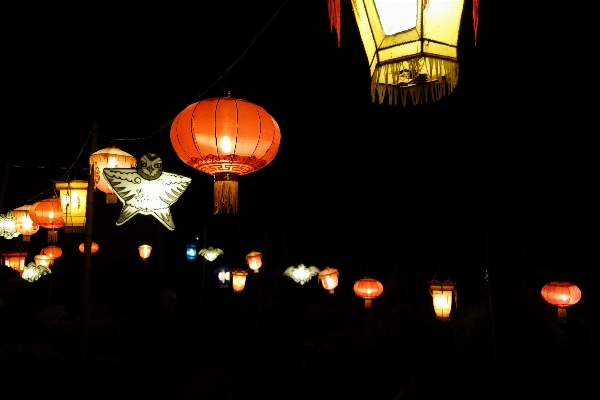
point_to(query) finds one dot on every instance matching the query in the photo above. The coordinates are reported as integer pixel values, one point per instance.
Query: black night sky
(390, 192)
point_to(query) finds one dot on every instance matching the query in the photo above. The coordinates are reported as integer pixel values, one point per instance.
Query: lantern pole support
(203, 279)
(491, 292)
(87, 260)
(261, 289)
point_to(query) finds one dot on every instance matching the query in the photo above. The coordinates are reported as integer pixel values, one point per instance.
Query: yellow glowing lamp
(73, 198)
(14, 260)
(301, 274)
(329, 278)
(411, 47)
(254, 260)
(24, 224)
(42, 260)
(145, 251)
(111, 157)
(238, 279)
(442, 298)
(211, 254)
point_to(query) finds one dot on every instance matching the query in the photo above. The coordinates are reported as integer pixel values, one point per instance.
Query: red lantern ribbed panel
(561, 294)
(225, 135)
(47, 213)
(53, 252)
(368, 288)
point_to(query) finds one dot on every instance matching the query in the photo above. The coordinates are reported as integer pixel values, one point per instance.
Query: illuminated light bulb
(51, 214)
(226, 144)
(564, 297)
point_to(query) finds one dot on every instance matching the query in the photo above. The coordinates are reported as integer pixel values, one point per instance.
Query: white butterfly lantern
(147, 189)
(301, 274)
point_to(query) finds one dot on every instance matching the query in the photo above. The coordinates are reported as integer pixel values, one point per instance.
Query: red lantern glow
(53, 252)
(47, 213)
(562, 295)
(226, 138)
(145, 251)
(329, 278)
(368, 289)
(94, 249)
(254, 260)
(15, 260)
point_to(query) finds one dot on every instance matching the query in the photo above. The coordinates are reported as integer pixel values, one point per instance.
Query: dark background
(394, 193)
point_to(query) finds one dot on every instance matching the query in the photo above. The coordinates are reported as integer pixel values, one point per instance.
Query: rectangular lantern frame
(73, 203)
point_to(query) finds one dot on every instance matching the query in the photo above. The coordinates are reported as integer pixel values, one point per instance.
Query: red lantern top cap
(225, 135)
(561, 294)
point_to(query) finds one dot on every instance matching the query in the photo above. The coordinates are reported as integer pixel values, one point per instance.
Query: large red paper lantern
(562, 295)
(226, 138)
(368, 289)
(48, 214)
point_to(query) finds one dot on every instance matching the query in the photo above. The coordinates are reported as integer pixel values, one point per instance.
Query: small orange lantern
(145, 251)
(94, 249)
(238, 278)
(226, 138)
(25, 225)
(254, 260)
(368, 289)
(442, 298)
(111, 157)
(14, 260)
(562, 295)
(47, 213)
(53, 252)
(329, 278)
(42, 260)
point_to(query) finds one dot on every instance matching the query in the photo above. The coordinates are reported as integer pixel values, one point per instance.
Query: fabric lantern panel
(24, 224)
(411, 47)
(47, 214)
(254, 260)
(73, 203)
(238, 278)
(441, 294)
(329, 278)
(562, 295)
(368, 289)
(223, 276)
(145, 251)
(15, 260)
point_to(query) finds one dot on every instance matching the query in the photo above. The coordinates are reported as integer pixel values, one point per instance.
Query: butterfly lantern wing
(148, 197)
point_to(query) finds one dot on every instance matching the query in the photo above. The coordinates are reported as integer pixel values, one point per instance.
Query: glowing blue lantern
(223, 276)
(191, 250)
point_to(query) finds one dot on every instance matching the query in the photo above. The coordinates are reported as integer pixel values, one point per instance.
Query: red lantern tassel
(225, 193)
(475, 18)
(334, 9)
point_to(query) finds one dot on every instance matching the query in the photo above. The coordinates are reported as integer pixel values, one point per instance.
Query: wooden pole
(491, 292)
(87, 259)
(203, 279)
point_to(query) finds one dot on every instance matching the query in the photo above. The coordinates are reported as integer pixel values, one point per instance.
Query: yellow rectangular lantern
(73, 198)
(411, 47)
(442, 298)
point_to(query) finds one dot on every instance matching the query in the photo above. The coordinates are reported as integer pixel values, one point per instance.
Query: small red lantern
(53, 252)
(368, 289)
(25, 225)
(329, 278)
(562, 295)
(94, 249)
(15, 260)
(48, 214)
(145, 251)
(226, 138)
(254, 260)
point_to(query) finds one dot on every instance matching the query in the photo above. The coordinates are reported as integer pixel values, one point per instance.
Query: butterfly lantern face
(150, 166)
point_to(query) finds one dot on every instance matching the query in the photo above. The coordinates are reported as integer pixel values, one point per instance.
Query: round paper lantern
(238, 276)
(329, 278)
(145, 251)
(94, 248)
(14, 260)
(368, 289)
(42, 260)
(53, 252)
(254, 260)
(226, 138)
(111, 157)
(24, 224)
(47, 214)
(562, 295)
(442, 298)
(73, 203)
(223, 276)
